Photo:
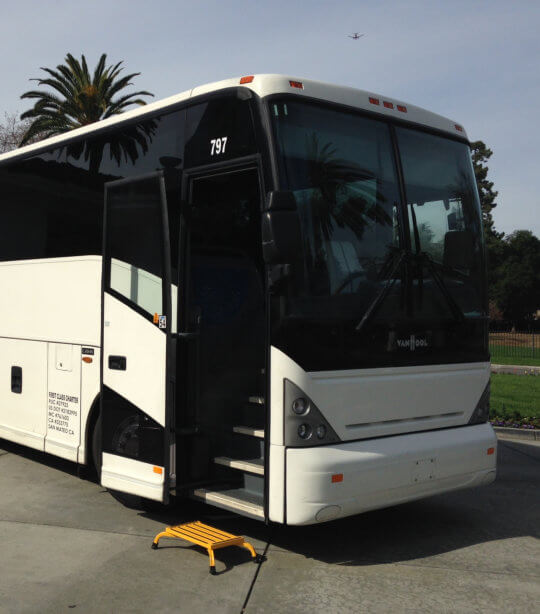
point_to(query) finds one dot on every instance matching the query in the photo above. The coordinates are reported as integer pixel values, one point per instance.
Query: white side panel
(55, 300)
(126, 333)
(23, 417)
(90, 388)
(386, 471)
(132, 476)
(368, 403)
(64, 401)
(276, 502)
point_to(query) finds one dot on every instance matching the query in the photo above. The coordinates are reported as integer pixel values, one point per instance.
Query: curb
(505, 432)
(515, 369)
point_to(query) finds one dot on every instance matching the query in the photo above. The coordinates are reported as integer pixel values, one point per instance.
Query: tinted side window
(51, 205)
(135, 242)
(49, 209)
(218, 130)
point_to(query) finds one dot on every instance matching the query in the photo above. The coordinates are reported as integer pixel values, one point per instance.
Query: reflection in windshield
(375, 270)
(444, 215)
(345, 190)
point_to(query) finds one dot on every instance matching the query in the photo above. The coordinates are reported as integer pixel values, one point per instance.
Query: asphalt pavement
(68, 544)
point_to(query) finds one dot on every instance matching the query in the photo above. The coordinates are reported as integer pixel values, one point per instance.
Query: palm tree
(78, 98)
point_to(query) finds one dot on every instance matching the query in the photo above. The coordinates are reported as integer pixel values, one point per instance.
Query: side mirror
(281, 235)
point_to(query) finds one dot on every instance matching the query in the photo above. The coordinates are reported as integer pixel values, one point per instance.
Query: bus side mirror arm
(281, 235)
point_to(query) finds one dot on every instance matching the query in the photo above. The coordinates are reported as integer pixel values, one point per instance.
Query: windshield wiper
(384, 291)
(421, 258)
(432, 265)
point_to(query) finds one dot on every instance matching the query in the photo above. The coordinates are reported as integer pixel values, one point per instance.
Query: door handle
(16, 380)
(117, 363)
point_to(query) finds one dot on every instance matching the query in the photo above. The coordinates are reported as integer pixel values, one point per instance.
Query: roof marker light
(248, 79)
(297, 84)
(402, 108)
(374, 100)
(490, 451)
(388, 105)
(337, 477)
(458, 127)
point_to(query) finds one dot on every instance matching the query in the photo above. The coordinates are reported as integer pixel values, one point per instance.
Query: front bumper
(387, 471)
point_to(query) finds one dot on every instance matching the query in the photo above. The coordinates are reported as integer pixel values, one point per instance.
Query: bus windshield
(402, 269)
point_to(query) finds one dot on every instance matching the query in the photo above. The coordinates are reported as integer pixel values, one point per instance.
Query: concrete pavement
(67, 544)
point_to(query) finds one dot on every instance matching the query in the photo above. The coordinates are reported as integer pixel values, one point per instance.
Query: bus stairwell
(225, 307)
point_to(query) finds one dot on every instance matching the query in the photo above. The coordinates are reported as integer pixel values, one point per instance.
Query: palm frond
(72, 97)
(100, 67)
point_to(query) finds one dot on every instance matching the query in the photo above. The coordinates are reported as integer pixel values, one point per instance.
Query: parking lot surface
(68, 544)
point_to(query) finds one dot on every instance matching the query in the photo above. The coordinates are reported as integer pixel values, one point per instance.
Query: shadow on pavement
(39, 457)
(508, 508)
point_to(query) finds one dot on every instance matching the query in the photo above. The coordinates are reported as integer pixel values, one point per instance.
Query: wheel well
(93, 416)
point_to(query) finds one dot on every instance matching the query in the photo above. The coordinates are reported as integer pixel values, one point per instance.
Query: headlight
(304, 431)
(300, 406)
(321, 431)
(304, 423)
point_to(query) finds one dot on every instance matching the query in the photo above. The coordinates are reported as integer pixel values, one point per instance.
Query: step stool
(207, 537)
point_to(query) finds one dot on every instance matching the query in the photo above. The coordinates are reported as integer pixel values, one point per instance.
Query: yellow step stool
(207, 537)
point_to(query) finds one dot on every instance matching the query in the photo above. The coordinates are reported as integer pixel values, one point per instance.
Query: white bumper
(382, 472)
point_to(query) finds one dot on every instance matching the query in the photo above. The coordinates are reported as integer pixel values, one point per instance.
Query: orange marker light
(248, 79)
(158, 470)
(388, 105)
(374, 100)
(297, 84)
(337, 477)
(87, 359)
(401, 108)
(491, 451)
(156, 318)
(458, 127)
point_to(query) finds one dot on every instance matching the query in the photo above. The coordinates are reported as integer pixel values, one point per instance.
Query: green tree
(78, 98)
(480, 155)
(494, 244)
(516, 288)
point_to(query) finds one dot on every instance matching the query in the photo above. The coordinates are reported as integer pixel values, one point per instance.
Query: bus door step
(207, 537)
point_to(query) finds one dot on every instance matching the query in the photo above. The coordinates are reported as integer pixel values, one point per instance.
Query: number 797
(217, 146)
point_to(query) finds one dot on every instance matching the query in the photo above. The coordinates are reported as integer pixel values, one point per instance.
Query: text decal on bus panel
(413, 342)
(63, 412)
(217, 146)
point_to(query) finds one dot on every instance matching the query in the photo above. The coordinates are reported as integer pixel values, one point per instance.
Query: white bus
(265, 293)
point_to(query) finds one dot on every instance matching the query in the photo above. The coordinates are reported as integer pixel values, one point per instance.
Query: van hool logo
(413, 343)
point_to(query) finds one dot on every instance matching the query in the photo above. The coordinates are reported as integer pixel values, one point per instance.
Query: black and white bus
(265, 293)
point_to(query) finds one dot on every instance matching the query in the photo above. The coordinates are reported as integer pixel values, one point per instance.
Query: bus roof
(265, 85)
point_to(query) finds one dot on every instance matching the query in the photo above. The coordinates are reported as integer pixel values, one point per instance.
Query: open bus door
(137, 396)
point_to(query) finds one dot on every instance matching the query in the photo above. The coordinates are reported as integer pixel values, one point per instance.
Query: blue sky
(477, 62)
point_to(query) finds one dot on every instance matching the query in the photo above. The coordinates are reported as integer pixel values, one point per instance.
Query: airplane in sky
(355, 36)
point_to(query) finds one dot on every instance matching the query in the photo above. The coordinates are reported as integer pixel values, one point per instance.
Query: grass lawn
(515, 393)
